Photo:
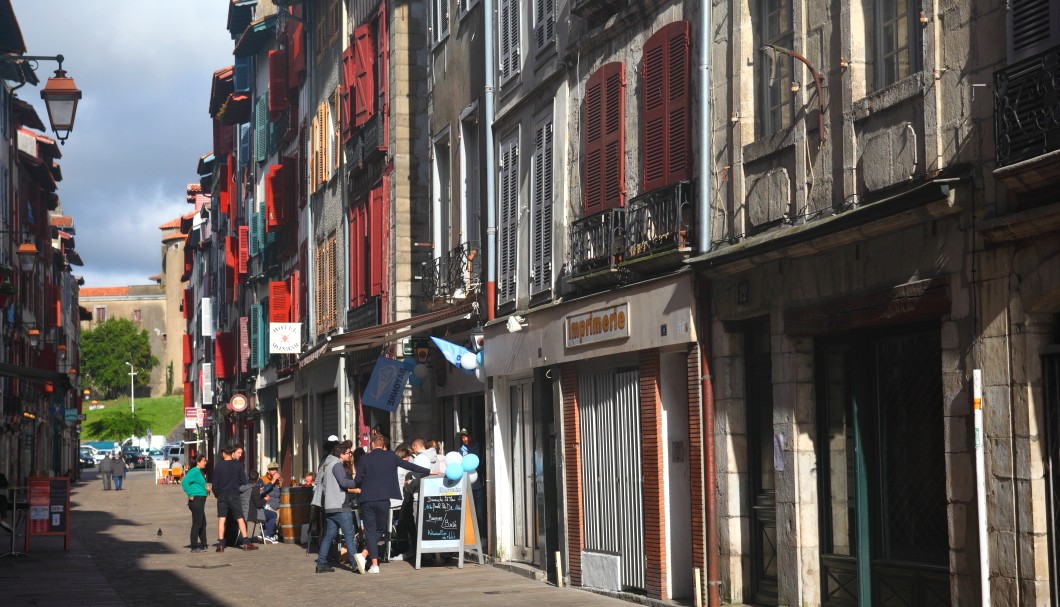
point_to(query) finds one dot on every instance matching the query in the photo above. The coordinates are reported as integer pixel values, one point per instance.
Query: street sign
(238, 403)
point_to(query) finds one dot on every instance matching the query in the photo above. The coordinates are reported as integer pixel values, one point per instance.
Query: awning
(369, 337)
(205, 166)
(235, 109)
(38, 170)
(220, 89)
(256, 36)
(73, 258)
(38, 375)
(25, 114)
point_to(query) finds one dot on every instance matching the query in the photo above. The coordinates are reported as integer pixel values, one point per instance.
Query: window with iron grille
(897, 31)
(541, 207)
(773, 70)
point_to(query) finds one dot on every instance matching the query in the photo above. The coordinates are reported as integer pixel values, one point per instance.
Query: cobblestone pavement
(117, 558)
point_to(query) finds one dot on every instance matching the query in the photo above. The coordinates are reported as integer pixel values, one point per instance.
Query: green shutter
(259, 231)
(256, 335)
(263, 330)
(261, 128)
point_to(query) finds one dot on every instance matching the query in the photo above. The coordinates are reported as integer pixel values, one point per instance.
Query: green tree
(106, 349)
(117, 426)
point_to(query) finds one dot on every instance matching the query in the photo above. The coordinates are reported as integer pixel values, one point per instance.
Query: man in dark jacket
(228, 477)
(377, 478)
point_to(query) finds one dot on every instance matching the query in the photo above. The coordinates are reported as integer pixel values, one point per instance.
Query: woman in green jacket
(194, 484)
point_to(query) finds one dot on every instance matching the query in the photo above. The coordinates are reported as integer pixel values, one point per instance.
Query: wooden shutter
(359, 252)
(296, 49)
(279, 301)
(244, 343)
(255, 336)
(222, 138)
(377, 246)
(242, 73)
(544, 23)
(509, 38)
(275, 197)
(261, 128)
(604, 125)
(187, 349)
(278, 101)
(364, 75)
(295, 289)
(224, 363)
(244, 248)
(509, 208)
(1034, 26)
(346, 91)
(382, 44)
(289, 201)
(541, 209)
(244, 144)
(666, 135)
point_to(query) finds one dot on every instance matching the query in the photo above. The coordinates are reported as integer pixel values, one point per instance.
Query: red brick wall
(652, 454)
(696, 460)
(573, 464)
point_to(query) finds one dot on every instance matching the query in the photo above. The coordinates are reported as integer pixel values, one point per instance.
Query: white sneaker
(374, 569)
(270, 539)
(359, 559)
(398, 557)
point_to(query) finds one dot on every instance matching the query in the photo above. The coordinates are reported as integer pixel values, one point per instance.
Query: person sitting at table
(269, 488)
(309, 480)
(175, 470)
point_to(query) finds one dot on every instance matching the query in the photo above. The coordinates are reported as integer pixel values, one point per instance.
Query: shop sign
(598, 325)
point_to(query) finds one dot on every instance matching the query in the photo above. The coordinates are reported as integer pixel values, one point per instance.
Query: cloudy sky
(144, 67)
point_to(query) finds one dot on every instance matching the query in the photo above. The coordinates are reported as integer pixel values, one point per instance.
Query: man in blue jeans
(331, 493)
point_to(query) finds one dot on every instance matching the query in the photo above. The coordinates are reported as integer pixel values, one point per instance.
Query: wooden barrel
(293, 512)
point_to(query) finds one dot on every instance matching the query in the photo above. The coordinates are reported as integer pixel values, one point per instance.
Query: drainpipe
(491, 176)
(703, 187)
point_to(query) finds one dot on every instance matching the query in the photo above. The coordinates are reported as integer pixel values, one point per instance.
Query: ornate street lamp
(27, 256)
(60, 94)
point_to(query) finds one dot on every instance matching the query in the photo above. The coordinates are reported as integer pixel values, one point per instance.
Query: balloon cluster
(456, 465)
(419, 374)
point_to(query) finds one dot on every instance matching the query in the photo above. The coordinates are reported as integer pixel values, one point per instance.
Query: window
(508, 234)
(896, 41)
(541, 207)
(774, 72)
(544, 24)
(603, 168)
(667, 120)
(137, 316)
(101, 314)
(466, 6)
(441, 198)
(508, 39)
(327, 26)
(469, 179)
(439, 20)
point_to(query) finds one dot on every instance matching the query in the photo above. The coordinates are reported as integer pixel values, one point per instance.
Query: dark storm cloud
(144, 67)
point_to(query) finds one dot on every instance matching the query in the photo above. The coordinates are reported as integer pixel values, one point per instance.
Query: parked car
(86, 459)
(134, 458)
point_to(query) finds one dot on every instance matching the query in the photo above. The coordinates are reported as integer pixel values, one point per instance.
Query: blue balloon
(481, 357)
(415, 381)
(453, 472)
(470, 462)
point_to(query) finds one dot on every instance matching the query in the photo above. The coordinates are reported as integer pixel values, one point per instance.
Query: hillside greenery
(160, 414)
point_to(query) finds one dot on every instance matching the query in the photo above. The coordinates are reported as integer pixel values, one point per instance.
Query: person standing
(228, 477)
(377, 478)
(478, 493)
(332, 493)
(194, 485)
(119, 468)
(106, 471)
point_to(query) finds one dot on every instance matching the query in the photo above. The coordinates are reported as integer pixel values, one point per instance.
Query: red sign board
(49, 507)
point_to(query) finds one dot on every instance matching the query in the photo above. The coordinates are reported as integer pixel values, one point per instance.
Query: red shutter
(244, 249)
(278, 102)
(358, 253)
(187, 349)
(594, 149)
(364, 75)
(279, 301)
(223, 199)
(614, 134)
(294, 288)
(382, 68)
(222, 139)
(224, 363)
(653, 136)
(679, 102)
(275, 198)
(296, 47)
(376, 239)
(346, 90)
(188, 389)
(57, 302)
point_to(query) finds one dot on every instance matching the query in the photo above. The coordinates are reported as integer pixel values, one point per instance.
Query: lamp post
(60, 94)
(132, 387)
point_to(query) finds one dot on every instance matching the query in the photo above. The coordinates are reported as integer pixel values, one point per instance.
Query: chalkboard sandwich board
(446, 518)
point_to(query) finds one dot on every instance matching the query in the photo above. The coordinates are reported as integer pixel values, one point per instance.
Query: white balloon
(469, 361)
(453, 458)
(472, 476)
(480, 374)
(421, 371)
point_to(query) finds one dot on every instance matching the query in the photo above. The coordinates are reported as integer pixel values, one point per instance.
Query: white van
(172, 451)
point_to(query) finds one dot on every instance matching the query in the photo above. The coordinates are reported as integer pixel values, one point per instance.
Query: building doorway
(763, 519)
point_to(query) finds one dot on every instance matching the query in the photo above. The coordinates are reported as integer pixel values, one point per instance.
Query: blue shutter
(243, 73)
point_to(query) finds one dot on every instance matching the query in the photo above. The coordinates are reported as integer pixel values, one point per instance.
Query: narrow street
(117, 558)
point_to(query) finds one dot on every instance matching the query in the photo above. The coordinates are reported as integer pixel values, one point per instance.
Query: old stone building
(145, 306)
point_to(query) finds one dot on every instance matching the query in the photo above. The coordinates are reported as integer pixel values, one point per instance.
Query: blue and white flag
(453, 352)
(387, 384)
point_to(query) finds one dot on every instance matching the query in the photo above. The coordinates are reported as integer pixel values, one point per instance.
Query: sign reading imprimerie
(599, 325)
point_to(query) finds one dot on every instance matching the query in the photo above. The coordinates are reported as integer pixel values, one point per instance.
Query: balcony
(597, 11)
(597, 243)
(368, 142)
(454, 275)
(659, 228)
(1027, 108)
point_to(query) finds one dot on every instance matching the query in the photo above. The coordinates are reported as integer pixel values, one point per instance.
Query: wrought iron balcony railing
(597, 242)
(367, 142)
(659, 224)
(455, 274)
(1027, 108)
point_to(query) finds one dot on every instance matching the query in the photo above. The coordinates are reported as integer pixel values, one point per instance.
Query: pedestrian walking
(119, 468)
(106, 471)
(377, 478)
(194, 485)
(332, 494)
